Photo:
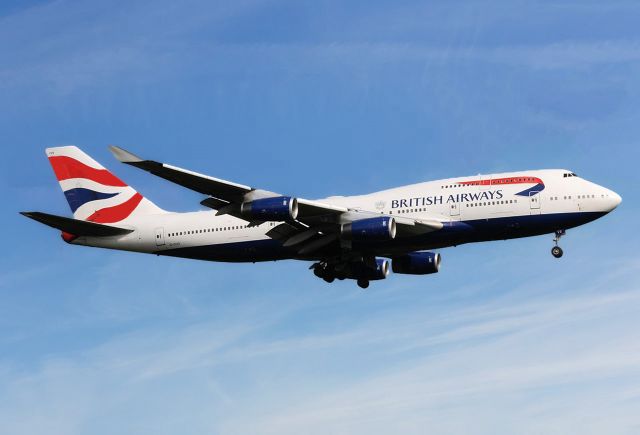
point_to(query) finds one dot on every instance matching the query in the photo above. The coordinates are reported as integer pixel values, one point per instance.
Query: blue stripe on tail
(80, 196)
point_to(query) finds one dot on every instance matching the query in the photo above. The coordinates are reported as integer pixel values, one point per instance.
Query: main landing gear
(330, 273)
(556, 251)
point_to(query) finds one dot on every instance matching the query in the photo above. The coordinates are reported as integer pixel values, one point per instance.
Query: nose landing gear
(556, 251)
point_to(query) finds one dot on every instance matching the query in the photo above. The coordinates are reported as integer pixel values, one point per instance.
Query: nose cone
(613, 200)
(617, 199)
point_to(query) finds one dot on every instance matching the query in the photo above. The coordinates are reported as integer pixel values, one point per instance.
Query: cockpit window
(569, 174)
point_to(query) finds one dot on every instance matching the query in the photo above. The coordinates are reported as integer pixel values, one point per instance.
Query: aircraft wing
(225, 190)
(222, 192)
(316, 224)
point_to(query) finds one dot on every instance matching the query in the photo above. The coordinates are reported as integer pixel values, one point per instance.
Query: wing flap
(307, 208)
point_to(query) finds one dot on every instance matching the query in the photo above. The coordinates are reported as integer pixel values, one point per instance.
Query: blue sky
(315, 99)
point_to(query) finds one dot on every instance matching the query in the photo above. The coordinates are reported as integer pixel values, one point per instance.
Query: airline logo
(93, 193)
(538, 184)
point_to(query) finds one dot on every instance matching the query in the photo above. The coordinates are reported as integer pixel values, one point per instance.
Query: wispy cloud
(445, 363)
(77, 46)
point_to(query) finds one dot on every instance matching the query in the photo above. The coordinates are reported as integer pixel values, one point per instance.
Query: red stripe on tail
(67, 167)
(116, 213)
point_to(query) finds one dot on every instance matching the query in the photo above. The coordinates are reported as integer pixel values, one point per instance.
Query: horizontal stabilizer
(75, 226)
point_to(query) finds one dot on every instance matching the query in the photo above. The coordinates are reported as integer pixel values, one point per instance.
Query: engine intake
(372, 229)
(416, 263)
(279, 208)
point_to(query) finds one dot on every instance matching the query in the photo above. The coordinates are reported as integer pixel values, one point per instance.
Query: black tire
(329, 279)
(556, 251)
(363, 283)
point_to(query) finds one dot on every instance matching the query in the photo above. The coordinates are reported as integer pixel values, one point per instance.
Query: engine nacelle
(279, 208)
(369, 230)
(416, 263)
(362, 271)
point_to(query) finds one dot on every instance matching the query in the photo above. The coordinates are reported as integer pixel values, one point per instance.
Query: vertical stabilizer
(94, 194)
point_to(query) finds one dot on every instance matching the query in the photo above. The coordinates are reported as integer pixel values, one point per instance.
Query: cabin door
(454, 211)
(159, 236)
(534, 202)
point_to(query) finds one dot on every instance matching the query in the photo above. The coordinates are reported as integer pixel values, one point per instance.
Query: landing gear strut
(556, 251)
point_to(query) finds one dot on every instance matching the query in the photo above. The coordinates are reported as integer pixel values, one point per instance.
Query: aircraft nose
(617, 199)
(612, 200)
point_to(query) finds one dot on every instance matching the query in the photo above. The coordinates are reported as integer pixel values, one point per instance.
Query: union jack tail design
(93, 193)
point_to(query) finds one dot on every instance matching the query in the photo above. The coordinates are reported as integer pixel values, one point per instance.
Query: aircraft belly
(238, 251)
(481, 230)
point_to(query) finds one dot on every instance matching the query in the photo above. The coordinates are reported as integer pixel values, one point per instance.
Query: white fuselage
(496, 206)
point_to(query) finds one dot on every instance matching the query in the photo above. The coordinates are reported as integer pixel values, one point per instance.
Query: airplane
(345, 237)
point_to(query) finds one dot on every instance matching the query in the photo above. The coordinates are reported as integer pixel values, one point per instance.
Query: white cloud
(76, 46)
(522, 361)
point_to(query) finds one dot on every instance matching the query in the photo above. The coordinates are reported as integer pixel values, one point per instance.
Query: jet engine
(279, 208)
(369, 230)
(416, 263)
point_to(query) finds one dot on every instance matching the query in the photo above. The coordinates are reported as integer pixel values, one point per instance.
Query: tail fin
(93, 193)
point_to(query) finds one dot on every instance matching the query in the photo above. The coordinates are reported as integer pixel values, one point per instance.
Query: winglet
(123, 155)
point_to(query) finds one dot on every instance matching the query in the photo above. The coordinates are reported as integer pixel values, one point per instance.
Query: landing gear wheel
(329, 279)
(556, 251)
(363, 283)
